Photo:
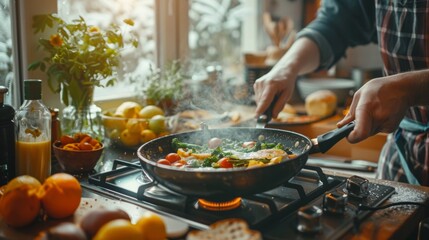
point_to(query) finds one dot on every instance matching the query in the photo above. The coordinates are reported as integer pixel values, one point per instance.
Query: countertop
(399, 222)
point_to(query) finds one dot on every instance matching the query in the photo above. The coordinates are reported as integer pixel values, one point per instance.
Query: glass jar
(83, 116)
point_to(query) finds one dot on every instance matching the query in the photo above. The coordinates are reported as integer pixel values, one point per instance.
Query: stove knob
(335, 202)
(309, 219)
(357, 186)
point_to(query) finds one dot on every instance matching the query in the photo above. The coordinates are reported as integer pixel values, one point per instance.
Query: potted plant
(164, 87)
(79, 58)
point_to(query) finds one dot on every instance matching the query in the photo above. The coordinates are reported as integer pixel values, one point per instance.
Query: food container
(77, 161)
(130, 133)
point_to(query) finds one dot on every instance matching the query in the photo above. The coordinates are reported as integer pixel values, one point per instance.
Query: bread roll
(227, 229)
(321, 103)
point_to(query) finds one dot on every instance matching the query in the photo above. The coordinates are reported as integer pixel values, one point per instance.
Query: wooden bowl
(77, 161)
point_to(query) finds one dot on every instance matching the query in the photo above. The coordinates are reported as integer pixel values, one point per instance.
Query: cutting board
(175, 228)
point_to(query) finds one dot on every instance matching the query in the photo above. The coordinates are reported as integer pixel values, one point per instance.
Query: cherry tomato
(85, 146)
(66, 139)
(225, 163)
(164, 161)
(172, 157)
(177, 164)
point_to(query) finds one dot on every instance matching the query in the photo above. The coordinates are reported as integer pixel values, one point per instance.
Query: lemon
(119, 229)
(157, 124)
(129, 139)
(128, 109)
(133, 125)
(114, 134)
(146, 135)
(149, 111)
(114, 123)
(152, 226)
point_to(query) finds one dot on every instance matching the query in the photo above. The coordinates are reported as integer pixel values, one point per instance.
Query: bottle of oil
(7, 140)
(33, 133)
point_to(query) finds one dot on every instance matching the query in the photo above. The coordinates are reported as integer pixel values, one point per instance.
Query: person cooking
(397, 103)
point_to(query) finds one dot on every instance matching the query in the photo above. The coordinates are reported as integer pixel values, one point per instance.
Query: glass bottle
(55, 128)
(33, 133)
(7, 140)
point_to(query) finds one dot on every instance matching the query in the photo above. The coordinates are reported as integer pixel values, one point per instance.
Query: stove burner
(219, 206)
(335, 202)
(357, 187)
(309, 219)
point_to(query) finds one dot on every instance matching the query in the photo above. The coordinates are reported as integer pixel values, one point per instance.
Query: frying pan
(225, 184)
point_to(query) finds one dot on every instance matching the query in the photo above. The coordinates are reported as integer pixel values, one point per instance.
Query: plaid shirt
(401, 29)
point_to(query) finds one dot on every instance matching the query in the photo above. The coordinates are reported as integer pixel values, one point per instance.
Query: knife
(265, 118)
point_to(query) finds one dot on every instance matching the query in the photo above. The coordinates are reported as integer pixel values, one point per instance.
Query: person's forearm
(303, 57)
(419, 87)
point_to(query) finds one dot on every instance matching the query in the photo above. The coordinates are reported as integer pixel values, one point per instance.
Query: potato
(63, 231)
(96, 218)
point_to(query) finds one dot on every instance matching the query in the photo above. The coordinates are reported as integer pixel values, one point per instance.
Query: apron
(402, 28)
(414, 127)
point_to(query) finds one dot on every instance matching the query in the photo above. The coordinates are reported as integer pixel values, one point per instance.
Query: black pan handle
(327, 140)
(266, 117)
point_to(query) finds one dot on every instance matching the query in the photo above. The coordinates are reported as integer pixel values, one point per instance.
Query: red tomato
(225, 163)
(164, 161)
(177, 164)
(172, 157)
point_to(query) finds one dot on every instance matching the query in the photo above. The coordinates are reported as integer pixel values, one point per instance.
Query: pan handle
(327, 140)
(266, 117)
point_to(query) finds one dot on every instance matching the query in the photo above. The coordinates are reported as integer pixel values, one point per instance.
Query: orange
(152, 226)
(60, 195)
(19, 204)
(118, 229)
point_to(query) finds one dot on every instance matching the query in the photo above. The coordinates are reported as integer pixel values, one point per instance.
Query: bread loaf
(227, 229)
(321, 103)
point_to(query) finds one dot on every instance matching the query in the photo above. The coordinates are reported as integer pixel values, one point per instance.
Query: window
(6, 60)
(136, 62)
(199, 32)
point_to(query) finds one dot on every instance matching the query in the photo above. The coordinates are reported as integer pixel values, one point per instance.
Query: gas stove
(310, 205)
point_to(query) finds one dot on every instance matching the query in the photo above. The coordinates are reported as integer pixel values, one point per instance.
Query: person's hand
(279, 83)
(378, 106)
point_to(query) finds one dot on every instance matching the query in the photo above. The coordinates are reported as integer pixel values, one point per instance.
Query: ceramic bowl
(77, 161)
(341, 87)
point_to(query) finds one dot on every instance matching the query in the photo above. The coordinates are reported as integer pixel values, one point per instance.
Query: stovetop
(274, 212)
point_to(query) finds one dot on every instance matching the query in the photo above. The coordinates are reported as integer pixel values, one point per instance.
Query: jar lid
(32, 89)
(6, 112)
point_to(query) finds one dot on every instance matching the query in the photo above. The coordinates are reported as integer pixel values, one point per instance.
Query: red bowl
(74, 161)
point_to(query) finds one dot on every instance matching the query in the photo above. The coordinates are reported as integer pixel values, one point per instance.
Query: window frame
(172, 41)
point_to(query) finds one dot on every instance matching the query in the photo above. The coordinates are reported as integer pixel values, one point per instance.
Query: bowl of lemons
(132, 124)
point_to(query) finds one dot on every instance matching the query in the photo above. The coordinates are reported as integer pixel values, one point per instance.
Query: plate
(291, 115)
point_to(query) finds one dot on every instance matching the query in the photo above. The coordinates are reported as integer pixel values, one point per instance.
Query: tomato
(66, 139)
(225, 163)
(177, 164)
(85, 146)
(164, 161)
(173, 157)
